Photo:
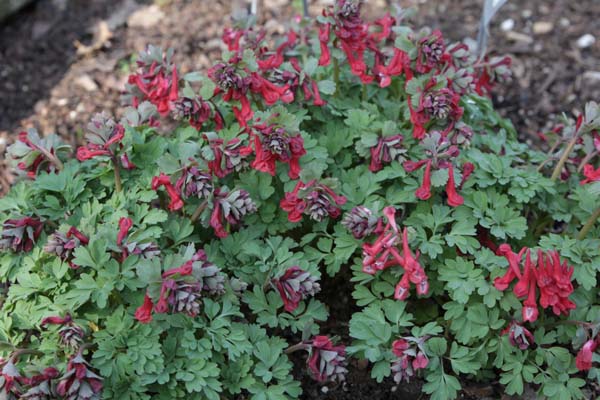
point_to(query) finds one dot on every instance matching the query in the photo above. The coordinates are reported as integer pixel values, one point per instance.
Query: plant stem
(117, 169)
(52, 158)
(296, 347)
(336, 74)
(364, 92)
(586, 159)
(198, 211)
(20, 352)
(564, 157)
(589, 224)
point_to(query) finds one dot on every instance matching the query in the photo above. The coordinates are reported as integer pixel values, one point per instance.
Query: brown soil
(46, 84)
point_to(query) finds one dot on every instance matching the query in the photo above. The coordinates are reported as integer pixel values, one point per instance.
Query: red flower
(430, 52)
(20, 235)
(326, 361)
(549, 275)
(125, 225)
(231, 37)
(591, 175)
(83, 153)
(144, 312)
(155, 85)
(554, 281)
(79, 382)
(518, 335)
(274, 144)
(584, 358)
(513, 271)
(387, 149)
(294, 285)
(313, 199)
(55, 320)
(270, 92)
(454, 199)
(385, 23)
(467, 170)
(183, 270)
(163, 180)
(424, 191)
(410, 357)
(325, 57)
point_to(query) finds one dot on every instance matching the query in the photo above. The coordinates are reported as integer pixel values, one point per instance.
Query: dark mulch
(45, 84)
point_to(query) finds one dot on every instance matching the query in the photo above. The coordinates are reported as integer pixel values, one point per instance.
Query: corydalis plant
(202, 242)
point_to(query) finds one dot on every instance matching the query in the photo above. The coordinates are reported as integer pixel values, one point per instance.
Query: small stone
(519, 37)
(507, 25)
(62, 102)
(564, 22)
(86, 83)
(586, 41)
(527, 13)
(591, 76)
(542, 27)
(146, 17)
(325, 389)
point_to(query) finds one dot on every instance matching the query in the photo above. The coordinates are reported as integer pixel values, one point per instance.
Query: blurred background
(61, 61)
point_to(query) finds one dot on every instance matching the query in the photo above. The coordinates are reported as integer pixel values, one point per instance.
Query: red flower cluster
(71, 334)
(388, 149)
(234, 80)
(496, 69)
(313, 199)
(424, 191)
(197, 111)
(438, 105)
(79, 382)
(383, 253)
(63, 245)
(104, 137)
(271, 144)
(518, 335)
(326, 361)
(20, 235)
(175, 202)
(227, 157)
(552, 278)
(294, 285)
(33, 153)
(182, 288)
(230, 207)
(156, 81)
(411, 357)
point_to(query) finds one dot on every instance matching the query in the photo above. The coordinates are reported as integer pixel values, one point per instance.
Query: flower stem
(20, 352)
(364, 92)
(564, 157)
(198, 211)
(336, 74)
(117, 170)
(296, 347)
(589, 224)
(586, 159)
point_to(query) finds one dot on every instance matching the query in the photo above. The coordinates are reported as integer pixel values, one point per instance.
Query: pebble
(564, 22)
(586, 41)
(527, 13)
(146, 17)
(507, 25)
(542, 27)
(86, 83)
(591, 76)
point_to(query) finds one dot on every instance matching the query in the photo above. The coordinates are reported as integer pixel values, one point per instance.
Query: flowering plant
(191, 262)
